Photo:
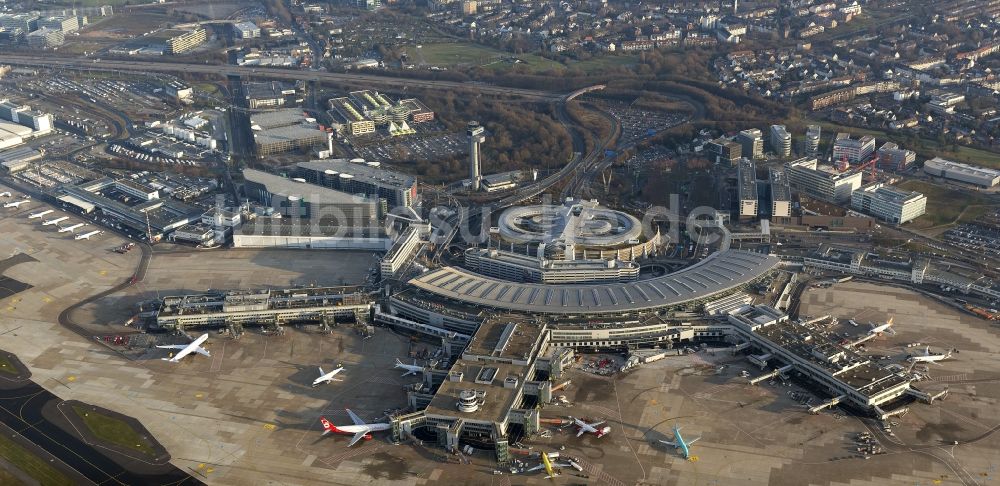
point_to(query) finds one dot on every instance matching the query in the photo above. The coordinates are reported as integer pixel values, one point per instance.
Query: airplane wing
(581, 431)
(692, 441)
(357, 420)
(596, 424)
(669, 443)
(357, 437)
(202, 351)
(173, 346)
(182, 353)
(532, 469)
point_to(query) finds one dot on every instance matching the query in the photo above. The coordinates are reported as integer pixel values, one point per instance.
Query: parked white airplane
(15, 204)
(4, 194)
(879, 329)
(360, 430)
(186, 349)
(927, 357)
(584, 427)
(55, 221)
(40, 214)
(71, 228)
(86, 236)
(325, 377)
(410, 369)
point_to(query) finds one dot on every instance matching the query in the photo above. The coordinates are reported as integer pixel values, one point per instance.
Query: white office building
(969, 174)
(781, 141)
(888, 203)
(853, 150)
(822, 183)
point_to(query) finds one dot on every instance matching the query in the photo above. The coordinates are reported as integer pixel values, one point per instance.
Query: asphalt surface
(21, 410)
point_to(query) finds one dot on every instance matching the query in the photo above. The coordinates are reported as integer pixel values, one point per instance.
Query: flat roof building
(45, 38)
(970, 174)
(299, 199)
(891, 157)
(752, 142)
(781, 195)
(179, 41)
(358, 176)
(853, 150)
(747, 189)
(888, 203)
(817, 354)
(827, 185)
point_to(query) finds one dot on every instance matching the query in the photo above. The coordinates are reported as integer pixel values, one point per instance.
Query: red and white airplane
(360, 429)
(584, 427)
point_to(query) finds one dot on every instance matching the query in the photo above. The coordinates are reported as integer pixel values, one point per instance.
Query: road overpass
(259, 72)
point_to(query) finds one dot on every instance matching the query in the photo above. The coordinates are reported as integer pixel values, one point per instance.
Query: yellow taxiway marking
(198, 395)
(71, 378)
(269, 426)
(201, 466)
(103, 272)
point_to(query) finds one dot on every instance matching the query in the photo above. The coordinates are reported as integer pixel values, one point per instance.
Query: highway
(370, 80)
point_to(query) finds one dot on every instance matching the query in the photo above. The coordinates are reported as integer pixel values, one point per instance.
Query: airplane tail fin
(321, 373)
(327, 426)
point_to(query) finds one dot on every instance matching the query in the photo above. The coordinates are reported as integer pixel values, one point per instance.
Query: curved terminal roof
(719, 272)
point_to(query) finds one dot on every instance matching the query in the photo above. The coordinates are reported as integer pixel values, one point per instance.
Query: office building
(969, 174)
(781, 141)
(267, 94)
(780, 196)
(888, 203)
(24, 22)
(401, 253)
(356, 176)
(724, 151)
(813, 135)
(891, 157)
(822, 183)
(418, 112)
(747, 192)
(64, 24)
(752, 141)
(853, 150)
(356, 123)
(477, 135)
(45, 38)
(39, 123)
(179, 41)
(246, 30)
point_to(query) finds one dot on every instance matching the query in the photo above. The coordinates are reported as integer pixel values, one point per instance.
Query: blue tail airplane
(680, 444)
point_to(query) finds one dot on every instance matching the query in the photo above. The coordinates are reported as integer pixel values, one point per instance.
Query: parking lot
(431, 145)
(638, 123)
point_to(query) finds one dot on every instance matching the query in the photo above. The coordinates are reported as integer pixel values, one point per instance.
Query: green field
(30, 464)
(113, 430)
(467, 54)
(451, 54)
(946, 206)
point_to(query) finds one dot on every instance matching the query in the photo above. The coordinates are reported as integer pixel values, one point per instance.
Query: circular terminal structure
(583, 224)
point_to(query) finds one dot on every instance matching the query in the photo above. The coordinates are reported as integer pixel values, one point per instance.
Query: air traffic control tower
(476, 137)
